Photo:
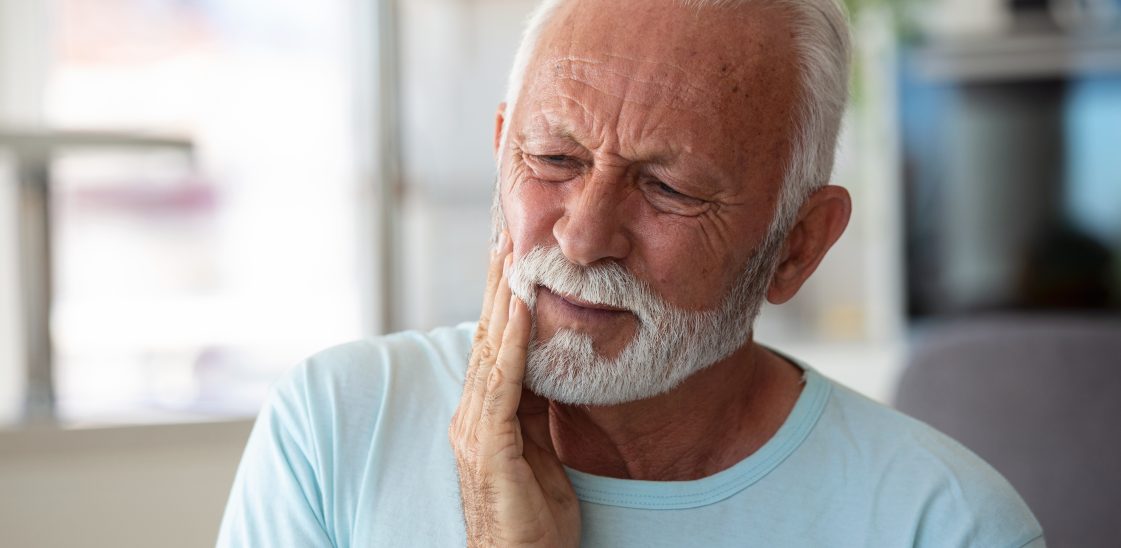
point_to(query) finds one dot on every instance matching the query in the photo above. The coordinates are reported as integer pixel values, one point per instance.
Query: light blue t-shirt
(351, 449)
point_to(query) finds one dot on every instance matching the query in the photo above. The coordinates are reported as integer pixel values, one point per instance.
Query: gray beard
(670, 344)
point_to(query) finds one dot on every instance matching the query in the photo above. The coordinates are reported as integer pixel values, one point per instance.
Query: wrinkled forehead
(662, 41)
(730, 66)
(647, 82)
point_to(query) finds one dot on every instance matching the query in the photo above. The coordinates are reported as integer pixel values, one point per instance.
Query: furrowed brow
(544, 130)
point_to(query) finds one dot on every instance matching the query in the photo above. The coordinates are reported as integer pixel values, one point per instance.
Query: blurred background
(197, 194)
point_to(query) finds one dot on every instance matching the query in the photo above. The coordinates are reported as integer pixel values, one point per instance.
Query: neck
(714, 419)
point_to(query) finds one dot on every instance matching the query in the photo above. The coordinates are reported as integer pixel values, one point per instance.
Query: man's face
(652, 137)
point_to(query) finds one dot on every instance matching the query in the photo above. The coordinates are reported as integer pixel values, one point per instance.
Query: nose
(593, 225)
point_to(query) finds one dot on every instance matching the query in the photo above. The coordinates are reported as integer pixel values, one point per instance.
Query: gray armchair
(1039, 398)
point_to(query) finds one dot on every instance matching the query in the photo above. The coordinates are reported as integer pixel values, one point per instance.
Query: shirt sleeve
(276, 499)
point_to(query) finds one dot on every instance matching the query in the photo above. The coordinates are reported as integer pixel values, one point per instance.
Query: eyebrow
(698, 169)
(542, 126)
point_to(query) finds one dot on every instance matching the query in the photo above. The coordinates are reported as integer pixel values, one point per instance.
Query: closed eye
(669, 190)
(554, 167)
(670, 200)
(557, 159)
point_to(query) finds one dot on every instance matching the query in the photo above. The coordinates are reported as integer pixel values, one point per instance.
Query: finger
(550, 475)
(494, 275)
(492, 345)
(500, 309)
(504, 385)
(470, 380)
(533, 414)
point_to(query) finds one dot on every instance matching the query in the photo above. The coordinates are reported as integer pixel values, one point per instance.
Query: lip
(585, 304)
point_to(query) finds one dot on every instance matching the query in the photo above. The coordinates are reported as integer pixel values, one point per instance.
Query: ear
(821, 221)
(499, 124)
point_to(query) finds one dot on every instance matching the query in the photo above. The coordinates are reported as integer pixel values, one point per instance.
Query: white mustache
(608, 284)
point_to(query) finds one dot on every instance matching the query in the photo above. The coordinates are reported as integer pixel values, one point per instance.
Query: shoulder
(337, 399)
(325, 423)
(360, 369)
(959, 499)
(444, 348)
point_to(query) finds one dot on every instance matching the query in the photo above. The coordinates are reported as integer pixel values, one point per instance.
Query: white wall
(138, 487)
(455, 56)
(12, 383)
(23, 53)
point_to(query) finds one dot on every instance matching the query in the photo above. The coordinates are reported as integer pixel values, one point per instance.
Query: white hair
(670, 343)
(821, 37)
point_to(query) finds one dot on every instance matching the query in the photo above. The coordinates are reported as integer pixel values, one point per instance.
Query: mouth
(579, 305)
(609, 327)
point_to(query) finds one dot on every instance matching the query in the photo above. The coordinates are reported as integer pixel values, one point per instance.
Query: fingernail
(502, 240)
(513, 306)
(506, 264)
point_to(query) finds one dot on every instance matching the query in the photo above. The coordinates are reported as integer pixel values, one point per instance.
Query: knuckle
(485, 350)
(469, 448)
(495, 379)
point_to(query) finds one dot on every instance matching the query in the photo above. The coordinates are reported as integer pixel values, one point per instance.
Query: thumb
(533, 414)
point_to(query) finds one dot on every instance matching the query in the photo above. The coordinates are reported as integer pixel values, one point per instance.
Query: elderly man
(662, 170)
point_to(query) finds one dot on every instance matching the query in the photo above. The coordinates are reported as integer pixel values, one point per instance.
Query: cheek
(681, 263)
(684, 274)
(531, 209)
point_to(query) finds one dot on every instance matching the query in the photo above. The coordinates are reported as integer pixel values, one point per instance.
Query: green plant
(899, 10)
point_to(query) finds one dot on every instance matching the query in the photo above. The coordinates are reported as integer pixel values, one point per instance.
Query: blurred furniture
(32, 153)
(1039, 398)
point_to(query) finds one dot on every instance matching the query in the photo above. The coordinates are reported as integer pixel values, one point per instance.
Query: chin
(567, 369)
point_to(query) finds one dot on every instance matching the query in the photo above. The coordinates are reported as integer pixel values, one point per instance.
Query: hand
(513, 486)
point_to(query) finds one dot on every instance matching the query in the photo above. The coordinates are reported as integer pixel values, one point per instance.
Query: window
(187, 278)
